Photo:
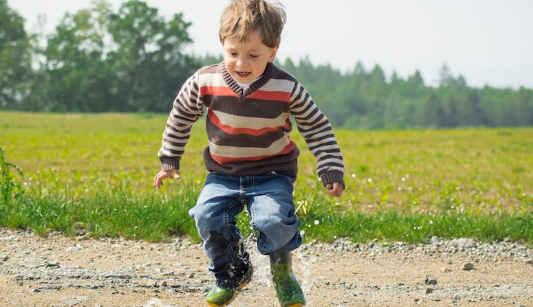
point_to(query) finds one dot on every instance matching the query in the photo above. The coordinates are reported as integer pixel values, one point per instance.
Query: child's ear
(273, 55)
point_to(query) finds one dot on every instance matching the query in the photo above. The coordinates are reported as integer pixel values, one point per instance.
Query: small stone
(430, 280)
(436, 240)
(468, 266)
(463, 243)
(51, 265)
(429, 290)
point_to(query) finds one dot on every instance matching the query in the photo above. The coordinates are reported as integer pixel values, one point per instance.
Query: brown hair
(244, 16)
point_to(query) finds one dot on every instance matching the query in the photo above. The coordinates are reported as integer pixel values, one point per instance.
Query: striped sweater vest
(249, 129)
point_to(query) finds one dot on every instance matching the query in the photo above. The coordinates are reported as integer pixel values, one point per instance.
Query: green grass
(94, 173)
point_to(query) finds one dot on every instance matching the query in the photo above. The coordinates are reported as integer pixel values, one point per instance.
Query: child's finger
(158, 179)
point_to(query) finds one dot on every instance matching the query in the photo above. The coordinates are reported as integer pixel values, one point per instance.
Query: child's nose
(240, 61)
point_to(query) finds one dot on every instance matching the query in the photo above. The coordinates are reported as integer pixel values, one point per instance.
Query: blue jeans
(269, 201)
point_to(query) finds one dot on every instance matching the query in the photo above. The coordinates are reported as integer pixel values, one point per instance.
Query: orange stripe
(217, 91)
(271, 95)
(223, 160)
(232, 130)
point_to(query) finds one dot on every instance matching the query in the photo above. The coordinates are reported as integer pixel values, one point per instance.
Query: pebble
(468, 266)
(430, 280)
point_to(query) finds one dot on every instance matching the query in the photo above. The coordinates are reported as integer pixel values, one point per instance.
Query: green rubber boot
(288, 288)
(221, 296)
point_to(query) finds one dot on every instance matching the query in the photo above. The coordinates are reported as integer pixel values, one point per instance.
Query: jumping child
(251, 160)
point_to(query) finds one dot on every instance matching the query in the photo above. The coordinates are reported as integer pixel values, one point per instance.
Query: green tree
(15, 57)
(74, 76)
(148, 62)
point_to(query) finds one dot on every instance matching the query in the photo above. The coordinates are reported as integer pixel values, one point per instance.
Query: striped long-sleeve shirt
(248, 129)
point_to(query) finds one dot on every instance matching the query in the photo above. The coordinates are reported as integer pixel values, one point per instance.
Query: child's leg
(273, 216)
(215, 215)
(287, 287)
(272, 213)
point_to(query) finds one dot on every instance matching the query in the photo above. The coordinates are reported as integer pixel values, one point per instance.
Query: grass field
(93, 173)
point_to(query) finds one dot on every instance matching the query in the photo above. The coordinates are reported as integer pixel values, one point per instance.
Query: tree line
(133, 60)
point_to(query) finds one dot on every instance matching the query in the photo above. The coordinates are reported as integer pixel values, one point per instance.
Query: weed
(9, 187)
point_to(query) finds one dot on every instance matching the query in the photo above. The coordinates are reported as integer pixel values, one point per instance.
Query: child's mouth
(242, 74)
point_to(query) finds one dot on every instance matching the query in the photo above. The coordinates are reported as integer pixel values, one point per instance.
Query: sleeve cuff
(168, 163)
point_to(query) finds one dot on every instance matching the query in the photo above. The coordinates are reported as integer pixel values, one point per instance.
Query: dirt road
(62, 271)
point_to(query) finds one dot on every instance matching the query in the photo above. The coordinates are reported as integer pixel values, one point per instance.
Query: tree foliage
(98, 60)
(132, 60)
(362, 99)
(15, 57)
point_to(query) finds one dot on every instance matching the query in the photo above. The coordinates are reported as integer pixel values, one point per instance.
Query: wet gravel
(62, 271)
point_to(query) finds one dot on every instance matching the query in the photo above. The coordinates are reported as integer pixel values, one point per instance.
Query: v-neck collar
(243, 92)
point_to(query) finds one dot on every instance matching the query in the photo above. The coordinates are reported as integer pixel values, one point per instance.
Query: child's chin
(243, 79)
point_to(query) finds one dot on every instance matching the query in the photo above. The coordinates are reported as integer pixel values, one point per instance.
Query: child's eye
(253, 56)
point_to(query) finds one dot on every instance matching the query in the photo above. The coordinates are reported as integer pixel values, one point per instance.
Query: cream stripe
(167, 152)
(215, 79)
(173, 137)
(178, 128)
(334, 155)
(315, 134)
(278, 85)
(247, 152)
(236, 121)
(167, 145)
(327, 148)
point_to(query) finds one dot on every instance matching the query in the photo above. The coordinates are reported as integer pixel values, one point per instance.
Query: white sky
(486, 41)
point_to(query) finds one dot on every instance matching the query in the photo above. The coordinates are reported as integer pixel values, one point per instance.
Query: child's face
(246, 61)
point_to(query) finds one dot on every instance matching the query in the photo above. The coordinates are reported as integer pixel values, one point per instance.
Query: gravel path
(63, 271)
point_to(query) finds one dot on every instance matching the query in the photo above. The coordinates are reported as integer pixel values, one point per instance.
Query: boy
(250, 157)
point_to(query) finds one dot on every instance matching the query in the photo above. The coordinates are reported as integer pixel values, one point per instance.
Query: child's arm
(162, 175)
(318, 134)
(187, 108)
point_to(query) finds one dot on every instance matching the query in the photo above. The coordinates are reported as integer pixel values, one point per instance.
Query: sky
(488, 42)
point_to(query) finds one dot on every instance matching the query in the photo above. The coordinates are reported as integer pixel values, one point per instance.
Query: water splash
(261, 292)
(304, 273)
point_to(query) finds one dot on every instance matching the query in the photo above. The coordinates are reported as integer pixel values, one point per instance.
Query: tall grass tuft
(10, 188)
(118, 212)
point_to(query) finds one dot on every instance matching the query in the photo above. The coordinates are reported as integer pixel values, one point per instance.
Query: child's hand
(162, 175)
(335, 189)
